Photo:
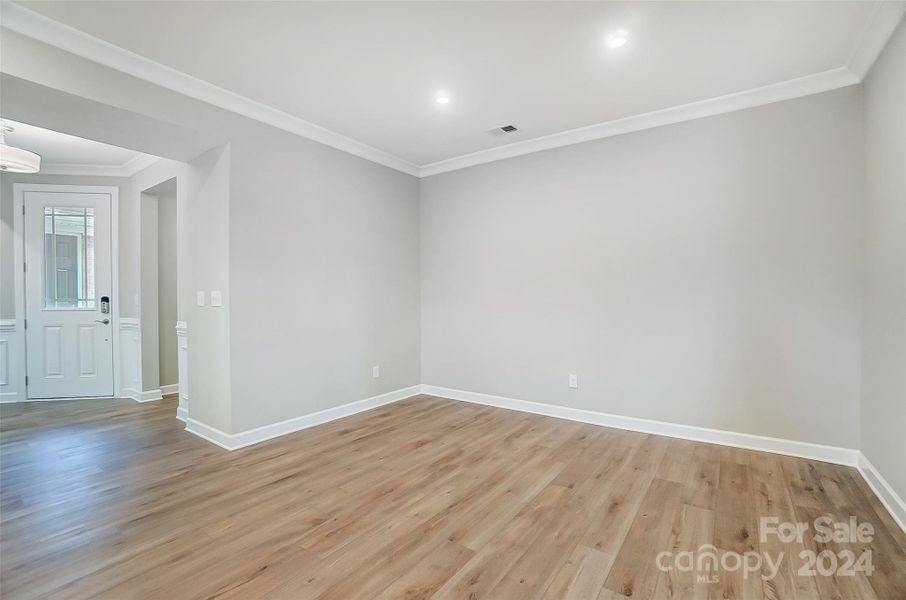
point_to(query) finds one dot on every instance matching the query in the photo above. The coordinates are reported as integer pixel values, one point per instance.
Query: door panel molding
(53, 351)
(87, 351)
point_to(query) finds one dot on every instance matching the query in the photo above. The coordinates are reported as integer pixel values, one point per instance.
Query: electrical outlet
(199, 298)
(574, 381)
(216, 298)
(376, 371)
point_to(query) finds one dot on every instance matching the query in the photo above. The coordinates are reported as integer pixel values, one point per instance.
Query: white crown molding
(878, 29)
(785, 90)
(895, 505)
(880, 26)
(127, 169)
(34, 25)
(139, 163)
(832, 454)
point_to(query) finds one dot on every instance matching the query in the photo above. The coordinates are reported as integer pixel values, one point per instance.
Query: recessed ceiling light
(442, 97)
(618, 39)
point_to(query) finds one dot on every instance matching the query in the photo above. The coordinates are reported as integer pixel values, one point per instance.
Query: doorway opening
(89, 273)
(158, 283)
(67, 295)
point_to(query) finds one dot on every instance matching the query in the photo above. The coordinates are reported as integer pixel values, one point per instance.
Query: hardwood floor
(423, 498)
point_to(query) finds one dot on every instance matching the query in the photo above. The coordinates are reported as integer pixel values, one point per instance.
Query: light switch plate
(199, 298)
(216, 298)
(376, 371)
(574, 381)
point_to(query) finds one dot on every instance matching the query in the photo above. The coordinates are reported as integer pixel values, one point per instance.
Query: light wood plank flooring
(426, 498)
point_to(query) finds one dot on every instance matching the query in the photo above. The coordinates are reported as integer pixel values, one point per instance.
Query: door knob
(105, 321)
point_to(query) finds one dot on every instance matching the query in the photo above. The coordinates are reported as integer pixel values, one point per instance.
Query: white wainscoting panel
(131, 358)
(12, 362)
(182, 342)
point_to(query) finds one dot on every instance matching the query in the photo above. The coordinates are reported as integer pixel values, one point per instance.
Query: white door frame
(19, 190)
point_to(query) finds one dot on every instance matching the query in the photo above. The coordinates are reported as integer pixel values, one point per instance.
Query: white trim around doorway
(19, 190)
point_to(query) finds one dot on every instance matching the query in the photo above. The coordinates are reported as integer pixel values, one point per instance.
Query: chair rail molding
(130, 358)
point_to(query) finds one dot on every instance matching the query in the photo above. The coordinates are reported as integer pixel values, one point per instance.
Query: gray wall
(884, 346)
(166, 287)
(208, 266)
(704, 273)
(149, 295)
(324, 278)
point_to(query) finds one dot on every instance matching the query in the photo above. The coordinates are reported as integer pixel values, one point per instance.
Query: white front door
(69, 330)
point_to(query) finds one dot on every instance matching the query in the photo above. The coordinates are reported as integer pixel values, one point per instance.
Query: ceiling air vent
(503, 130)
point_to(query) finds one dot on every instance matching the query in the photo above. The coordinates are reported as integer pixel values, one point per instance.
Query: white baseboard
(182, 414)
(138, 396)
(832, 454)
(211, 434)
(166, 390)
(234, 441)
(885, 493)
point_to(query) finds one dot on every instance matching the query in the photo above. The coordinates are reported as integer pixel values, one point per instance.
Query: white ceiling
(370, 70)
(64, 154)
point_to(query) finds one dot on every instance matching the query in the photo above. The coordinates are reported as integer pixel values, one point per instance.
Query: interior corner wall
(883, 405)
(167, 270)
(149, 293)
(324, 277)
(208, 265)
(130, 235)
(705, 273)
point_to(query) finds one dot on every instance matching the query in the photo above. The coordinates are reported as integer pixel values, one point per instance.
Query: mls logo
(707, 579)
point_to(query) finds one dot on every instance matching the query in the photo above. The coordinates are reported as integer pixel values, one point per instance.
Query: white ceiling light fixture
(442, 97)
(618, 39)
(16, 160)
